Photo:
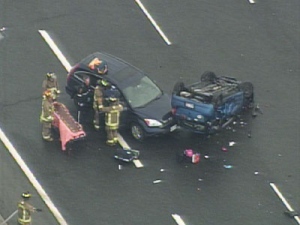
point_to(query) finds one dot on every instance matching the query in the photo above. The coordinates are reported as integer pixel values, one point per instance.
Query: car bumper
(194, 127)
(204, 128)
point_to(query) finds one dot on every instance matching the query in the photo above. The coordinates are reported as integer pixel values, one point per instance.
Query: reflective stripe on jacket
(23, 213)
(112, 119)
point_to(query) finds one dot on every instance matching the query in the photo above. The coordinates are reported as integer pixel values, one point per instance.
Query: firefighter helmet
(47, 93)
(26, 194)
(50, 75)
(112, 99)
(104, 83)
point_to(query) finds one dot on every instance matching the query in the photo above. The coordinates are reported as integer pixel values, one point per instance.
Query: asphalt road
(258, 42)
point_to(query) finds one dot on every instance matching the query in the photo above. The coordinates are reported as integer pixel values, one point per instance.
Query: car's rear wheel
(247, 88)
(208, 76)
(137, 131)
(178, 87)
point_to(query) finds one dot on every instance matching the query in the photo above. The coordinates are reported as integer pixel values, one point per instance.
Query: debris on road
(242, 123)
(189, 155)
(224, 149)
(249, 134)
(231, 143)
(157, 181)
(256, 110)
(228, 166)
(126, 155)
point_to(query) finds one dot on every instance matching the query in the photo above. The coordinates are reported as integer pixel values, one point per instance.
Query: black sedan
(147, 107)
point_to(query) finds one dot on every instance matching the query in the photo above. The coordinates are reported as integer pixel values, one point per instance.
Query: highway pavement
(258, 41)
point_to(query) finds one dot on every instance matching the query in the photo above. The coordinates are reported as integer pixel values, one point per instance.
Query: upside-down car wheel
(178, 87)
(247, 88)
(208, 76)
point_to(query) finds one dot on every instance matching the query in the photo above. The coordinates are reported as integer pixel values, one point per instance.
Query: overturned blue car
(211, 104)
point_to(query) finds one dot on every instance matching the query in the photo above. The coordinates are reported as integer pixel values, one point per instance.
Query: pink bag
(189, 152)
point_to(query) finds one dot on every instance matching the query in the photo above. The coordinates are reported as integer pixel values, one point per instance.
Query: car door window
(83, 77)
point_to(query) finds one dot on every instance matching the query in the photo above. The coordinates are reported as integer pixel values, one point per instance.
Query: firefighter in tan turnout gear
(47, 115)
(50, 83)
(25, 209)
(112, 117)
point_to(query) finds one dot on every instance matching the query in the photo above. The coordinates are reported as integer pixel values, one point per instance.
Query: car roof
(120, 72)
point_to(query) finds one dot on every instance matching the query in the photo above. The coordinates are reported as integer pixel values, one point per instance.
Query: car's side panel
(232, 105)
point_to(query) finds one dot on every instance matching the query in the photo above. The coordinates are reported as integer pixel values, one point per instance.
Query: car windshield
(141, 93)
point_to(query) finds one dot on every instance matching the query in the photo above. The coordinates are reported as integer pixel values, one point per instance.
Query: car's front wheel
(137, 131)
(248, 89)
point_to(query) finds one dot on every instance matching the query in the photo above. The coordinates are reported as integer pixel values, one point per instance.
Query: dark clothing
(83, 99)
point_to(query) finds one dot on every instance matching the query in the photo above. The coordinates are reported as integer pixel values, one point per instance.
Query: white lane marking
(138, 163)
(32, 178)
(67, 65)
(153, 22)
(123, 143)
(287, 205)
(252, 1)
(178, 219)
(55, 49)
(8, 218)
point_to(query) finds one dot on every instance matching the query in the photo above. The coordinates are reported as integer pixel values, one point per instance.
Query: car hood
(159, 109)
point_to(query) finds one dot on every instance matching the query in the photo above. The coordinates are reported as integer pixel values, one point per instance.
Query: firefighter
(25, 209)
(81, 99)
(102, 85)
(50, 83)
(112, 117)
(47, 115)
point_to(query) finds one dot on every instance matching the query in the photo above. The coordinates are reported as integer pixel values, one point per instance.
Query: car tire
(178, 87)
(208, 76)
(247, 88)
(137, 132)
